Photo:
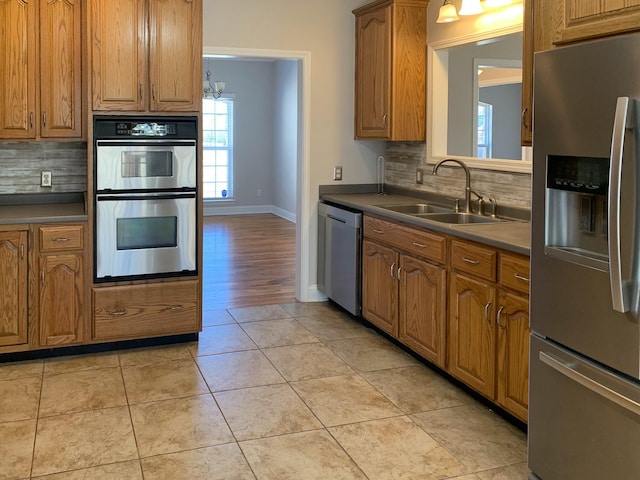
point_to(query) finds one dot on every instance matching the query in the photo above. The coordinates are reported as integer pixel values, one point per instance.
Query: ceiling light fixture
(447, 13)
(212, 91)
(471, 7)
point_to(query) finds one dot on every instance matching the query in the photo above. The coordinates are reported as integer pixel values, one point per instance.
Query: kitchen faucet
(467, 188)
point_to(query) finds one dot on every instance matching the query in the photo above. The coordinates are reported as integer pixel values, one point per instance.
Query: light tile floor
(296, 391)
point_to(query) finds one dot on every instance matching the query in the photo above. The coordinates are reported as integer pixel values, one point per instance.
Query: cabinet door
(175, 55)
(119, 69)
(17, 68)
(586, 19)
(513, 353)
(373, 74)
(422, 308)
(526, 129)
(472, 349)
(61, 305)
(13, 288)
(60, 68)
(380, 286)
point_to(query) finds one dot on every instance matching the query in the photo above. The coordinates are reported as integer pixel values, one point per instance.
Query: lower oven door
(145, 235)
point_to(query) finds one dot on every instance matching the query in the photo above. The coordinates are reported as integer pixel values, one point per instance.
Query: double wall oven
(145, 183)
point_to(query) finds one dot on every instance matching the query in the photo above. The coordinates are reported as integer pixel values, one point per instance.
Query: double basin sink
(440, 214)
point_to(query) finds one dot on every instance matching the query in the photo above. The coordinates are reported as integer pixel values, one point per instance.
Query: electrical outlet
(45, 178)
(419, 175)
(337, 173)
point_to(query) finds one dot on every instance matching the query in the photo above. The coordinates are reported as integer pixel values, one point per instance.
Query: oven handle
(144, 196)
(145, 143)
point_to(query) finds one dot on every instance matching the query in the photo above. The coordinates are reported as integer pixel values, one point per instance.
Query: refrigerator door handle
(599, 389)
(618, 296)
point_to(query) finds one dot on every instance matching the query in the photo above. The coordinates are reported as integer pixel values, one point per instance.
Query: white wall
(325, 30)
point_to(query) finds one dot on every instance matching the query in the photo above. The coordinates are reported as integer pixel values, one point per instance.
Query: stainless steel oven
(146, 197)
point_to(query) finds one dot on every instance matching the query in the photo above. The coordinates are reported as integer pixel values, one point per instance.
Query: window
(485, 121)
(217, 129)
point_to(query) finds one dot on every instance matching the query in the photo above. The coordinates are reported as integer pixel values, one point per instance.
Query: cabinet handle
(22, 250)
(117, 313)
(520, 277)
(392, 268)
(499, 317)
(469, 260)
(44, 119)
(30, 120)
(524, 117)
(61, 239)
(140, 91)
(421, 245)
(153, 92)
(399, 272)
(384, 121)
(379, 232)
(42, 276)
(486, 312)
(174, 309)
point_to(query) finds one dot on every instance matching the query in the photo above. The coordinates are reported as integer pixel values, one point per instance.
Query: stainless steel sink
(459, 218)
(417, 208)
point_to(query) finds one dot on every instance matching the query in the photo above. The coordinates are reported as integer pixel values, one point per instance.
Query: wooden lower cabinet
(380, 286)
(422, 303)
(146, 310)
(62, 293)
(13, 287)
(472, 336)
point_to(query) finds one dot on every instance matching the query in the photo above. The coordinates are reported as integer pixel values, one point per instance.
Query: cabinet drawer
(474, 259)
(514, 272)
(413, 240)
(150, 310)
(56, 238)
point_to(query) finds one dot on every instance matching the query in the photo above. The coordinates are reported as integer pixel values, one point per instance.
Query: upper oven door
(145, 165)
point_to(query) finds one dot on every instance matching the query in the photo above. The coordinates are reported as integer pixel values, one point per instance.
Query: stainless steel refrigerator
(584, 395)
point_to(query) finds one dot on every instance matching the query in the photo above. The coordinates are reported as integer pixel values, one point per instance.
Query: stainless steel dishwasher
(339, 256)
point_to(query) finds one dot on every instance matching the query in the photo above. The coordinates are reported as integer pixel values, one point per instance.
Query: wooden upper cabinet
(146, 55)
(526, 126)
(60, 68)
(13, 288)
(390, 83)
(18, 61)
(585, 19)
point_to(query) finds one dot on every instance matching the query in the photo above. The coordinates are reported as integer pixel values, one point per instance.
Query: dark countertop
(44, 208)
(514, 236)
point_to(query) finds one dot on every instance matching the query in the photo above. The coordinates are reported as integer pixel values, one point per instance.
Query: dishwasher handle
(341, 220)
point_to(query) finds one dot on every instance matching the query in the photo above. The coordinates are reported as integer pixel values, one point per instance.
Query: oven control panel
(151, 129)
(122, 127)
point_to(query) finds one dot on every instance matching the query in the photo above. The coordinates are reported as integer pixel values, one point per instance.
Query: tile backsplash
(402, 160)
(22, 162)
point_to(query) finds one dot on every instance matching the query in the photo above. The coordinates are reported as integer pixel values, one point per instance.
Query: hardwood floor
(248, 260)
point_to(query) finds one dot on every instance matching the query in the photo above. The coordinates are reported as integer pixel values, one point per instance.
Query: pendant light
(447, 13)
(471, 7)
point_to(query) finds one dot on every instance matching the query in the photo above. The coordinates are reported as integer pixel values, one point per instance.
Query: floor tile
(227, 371)
(304, 309)
(180, 424)
(396, 448)
(478, 438)
(256, 314)
(345, 399)
(58, 365)
(81, 440)
(211, 318)
(160, 381)
(417, 389)
(13, 370)
(19, 398)
(222, 462)
(159, 354)
(265, 411)
(221, 339)
(308, 455)
(371, 353)
(81, 391)
(304, 362)
(16, 449)
(116, 471)
(519, 471)
(277, 333)
(335, 327)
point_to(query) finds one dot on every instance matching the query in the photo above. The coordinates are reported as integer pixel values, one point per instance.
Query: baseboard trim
(211, 210)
